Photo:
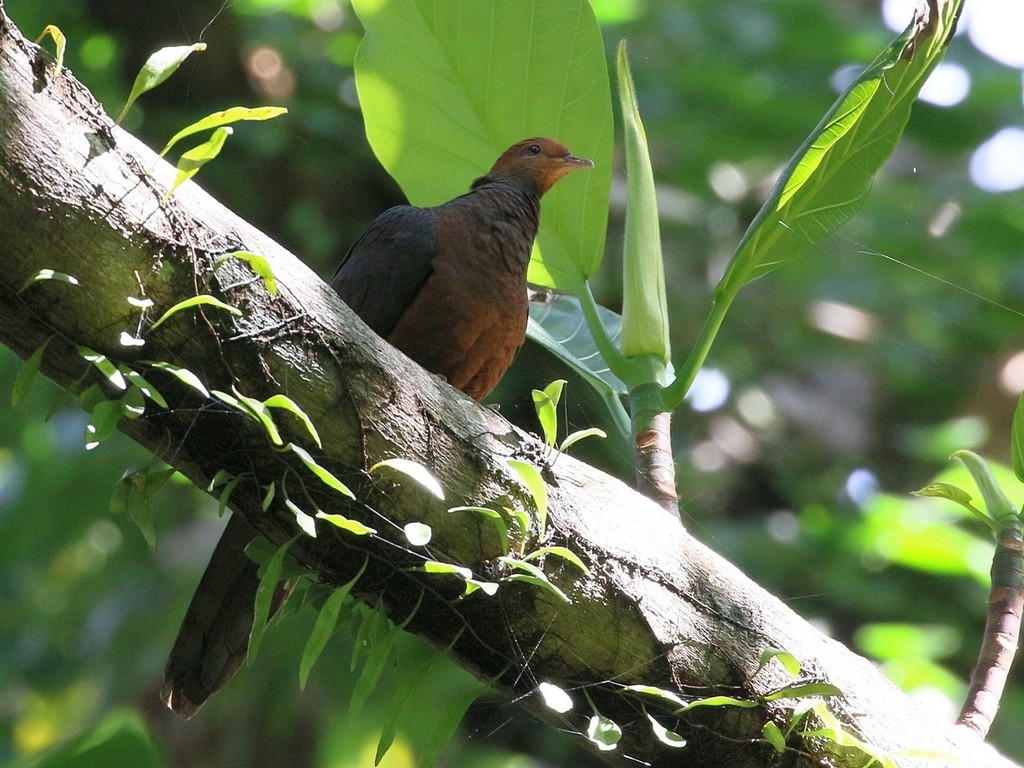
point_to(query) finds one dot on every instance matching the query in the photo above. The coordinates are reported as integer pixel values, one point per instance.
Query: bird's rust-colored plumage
(446, 285)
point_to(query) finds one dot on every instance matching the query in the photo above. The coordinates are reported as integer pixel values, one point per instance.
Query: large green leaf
(447, 85)
(829, 177)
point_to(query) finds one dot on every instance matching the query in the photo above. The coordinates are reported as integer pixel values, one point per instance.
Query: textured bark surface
(656, 608)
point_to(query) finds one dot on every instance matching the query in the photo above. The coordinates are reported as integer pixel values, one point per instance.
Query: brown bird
(446, 285)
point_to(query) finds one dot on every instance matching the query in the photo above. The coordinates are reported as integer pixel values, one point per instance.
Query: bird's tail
(214, 635)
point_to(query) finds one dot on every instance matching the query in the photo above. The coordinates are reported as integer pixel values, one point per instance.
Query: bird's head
(539, 161)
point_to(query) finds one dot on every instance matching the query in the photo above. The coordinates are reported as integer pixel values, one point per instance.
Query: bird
(446, 285)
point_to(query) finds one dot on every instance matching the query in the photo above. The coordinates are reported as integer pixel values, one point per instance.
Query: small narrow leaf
(995, 500)
(347, 524)
(190, 162)
(418, 534)
(304, 520)
(562, 552)
(27, 375)
(554, 698)
(127, 340)
(323, 474)
(102, 424)
(543, 582)
(381, 651)
(804, 690)
(138, 380)
(265, 598)
(773, 735)
(665, 736)
(49, 274)
(103, 364)
(158, 68)
(224, 117)
(434, 566)
(195, 301)
(259, 265)
(581, 434)
(658, 693)
(286, 403)
(788, 661)
(60, 43)
(530, 476)
(604, 732)
(958, 496)
(139, 303)
(258, 410)
(545, 403)
(184, 375)
(415, 471)
(326, 621)
(719, 701)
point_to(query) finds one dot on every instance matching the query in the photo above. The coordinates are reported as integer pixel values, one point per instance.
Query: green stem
(674, 393)
(616, 361)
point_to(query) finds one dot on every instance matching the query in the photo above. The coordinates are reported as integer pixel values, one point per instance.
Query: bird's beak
(578, 162)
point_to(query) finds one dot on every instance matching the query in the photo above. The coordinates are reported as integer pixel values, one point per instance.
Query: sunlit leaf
(103, 364)
(604, 732)
(659, 693)
(451, 84)
(773, 735)
(555, 698)
(255, 408)
(957, 495)
(158, 68)
(321, 472)
(788, 661)
(195, 301)
(581, 434)
(665, 736)
(303, 519)
(803, 690)
(719, 701)
(829, 177)
(346, 524)
(434, 566)
(190, 162)
(137, 379)
(530, 477)
(417, 534)
(545, 404)
(43, 275)
(60, 43)
(414, 471)
(183, 375)
(563, 552)
(259, 265)
(224, 117)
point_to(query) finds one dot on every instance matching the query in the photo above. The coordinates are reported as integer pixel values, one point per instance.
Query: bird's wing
(386, 268)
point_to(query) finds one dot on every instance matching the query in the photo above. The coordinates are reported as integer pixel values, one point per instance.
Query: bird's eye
(533, 149)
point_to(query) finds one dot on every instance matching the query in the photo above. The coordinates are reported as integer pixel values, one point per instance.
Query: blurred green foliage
(855, 368)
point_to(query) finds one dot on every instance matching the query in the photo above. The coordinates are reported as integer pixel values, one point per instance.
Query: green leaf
(408, 686)
(303, 519)
(27, 374)
(829, 177)
(347, 524)
(659, 693)
(803, 690)
(1017, 439)
(644, 305)
(120, 739)
(664, 735)
(190, 162)
(417, 534)
(450, 84)
(444, 726)
(133, 404)
(195, 301)
(494, 517)
(60, 43)
(545, 403)
(995, 500)
(103, 419)
(530, 477)
(264, 599)
(719, 701)
(581, 434)
(541, 581)
(49, 274)
(415, 471)
(132, 495)
(143, 385)
(286, 403)
(788, 661)
(555, 698)
(323, 474)
(158, 67)
(259, 265)
(773, 735)
(604, 732)
(103, 364)
(434, 566)
(563, 552)
(323, 630)
(381, 651)
(184, 375)
(958, 496)
(225, 117)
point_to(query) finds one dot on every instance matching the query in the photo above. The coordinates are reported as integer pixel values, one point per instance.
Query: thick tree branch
(656, 607)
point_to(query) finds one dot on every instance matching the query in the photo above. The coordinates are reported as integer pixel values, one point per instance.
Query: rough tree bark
(656, 607)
